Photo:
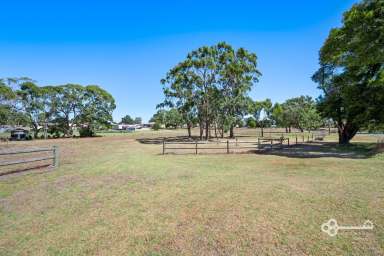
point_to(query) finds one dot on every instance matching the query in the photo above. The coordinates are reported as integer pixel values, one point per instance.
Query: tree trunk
(206, 129)
(216, 130)
(286, 129)
(289, 129)
(35, 130)
(231, 132)
(346, 133)
(201, 130)
(189, 130)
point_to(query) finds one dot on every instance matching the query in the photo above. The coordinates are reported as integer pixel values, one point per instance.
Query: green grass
(116, 196)
(5, 134)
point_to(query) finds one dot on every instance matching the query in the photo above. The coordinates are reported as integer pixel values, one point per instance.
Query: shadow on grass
(159, 140)
(324, 149)
(356, 150)
(22, 170)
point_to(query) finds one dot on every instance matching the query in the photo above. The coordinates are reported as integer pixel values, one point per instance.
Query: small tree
(68, 105)
(251, 122)
(301, 113)
(277, 115)
(127, 120)
(262, 113)
(137, 120)
(96, 111)
(31, 101)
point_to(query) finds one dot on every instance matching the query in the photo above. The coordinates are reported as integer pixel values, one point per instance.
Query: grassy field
(115, 195)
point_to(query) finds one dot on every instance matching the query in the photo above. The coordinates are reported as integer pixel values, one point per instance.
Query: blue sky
(127, 46)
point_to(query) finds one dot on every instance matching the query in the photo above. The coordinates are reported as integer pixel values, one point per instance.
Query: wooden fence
(380, 143)
(226, 146)
(54, 156)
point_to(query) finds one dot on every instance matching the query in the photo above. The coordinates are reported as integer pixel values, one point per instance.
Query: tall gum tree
(238, 72)
(211, 85)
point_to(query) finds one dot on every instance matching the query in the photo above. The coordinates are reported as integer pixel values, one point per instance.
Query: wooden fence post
(227, 146)
(288, 141)
(296, 138)
(303, 138)
(55, 156)
(236, 141)
(163, 146)
(258, 143)
(271, 143)
(196, 147)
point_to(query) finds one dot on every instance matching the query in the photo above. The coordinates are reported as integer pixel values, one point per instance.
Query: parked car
(19, 134)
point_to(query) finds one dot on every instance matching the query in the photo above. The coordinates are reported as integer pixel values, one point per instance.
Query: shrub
(251, 123)
(86, 132)
(156, 126)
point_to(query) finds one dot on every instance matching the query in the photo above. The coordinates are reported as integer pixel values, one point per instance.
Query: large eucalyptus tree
(211, 86)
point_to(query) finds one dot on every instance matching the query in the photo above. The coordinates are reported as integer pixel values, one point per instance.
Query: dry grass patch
(116, 196)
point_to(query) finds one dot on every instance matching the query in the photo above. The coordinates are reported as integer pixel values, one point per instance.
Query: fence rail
(54, 157)
(229, 146)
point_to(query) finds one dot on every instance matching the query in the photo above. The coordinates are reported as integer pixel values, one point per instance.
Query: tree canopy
(62, 107)
(210, 87)
(351, 75)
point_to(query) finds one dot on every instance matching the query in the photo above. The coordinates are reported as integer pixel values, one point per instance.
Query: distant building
(149, 125)
(127, 127)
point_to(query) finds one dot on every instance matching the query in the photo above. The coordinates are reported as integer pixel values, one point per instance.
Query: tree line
(300, 113)
(60, 109)
(210, 87)
(127, 119)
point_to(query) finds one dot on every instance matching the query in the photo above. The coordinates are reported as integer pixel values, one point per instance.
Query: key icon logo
(332, 228)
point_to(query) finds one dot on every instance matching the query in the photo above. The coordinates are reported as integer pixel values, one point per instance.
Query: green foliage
(127, 120)
(32, 102)
(352, 71)
(301, 113)
(86, 132)
(169, 118)
(62, 108)
(67, 107)
(6, 93)
(138, 120)
(8, 109)
(277, 115)
(210, 86)
(261, 111)
(156, 126)
(251, 122)
(159, 117)
(96, 109)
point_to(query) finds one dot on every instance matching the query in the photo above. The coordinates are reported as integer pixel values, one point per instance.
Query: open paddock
(118, 195)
